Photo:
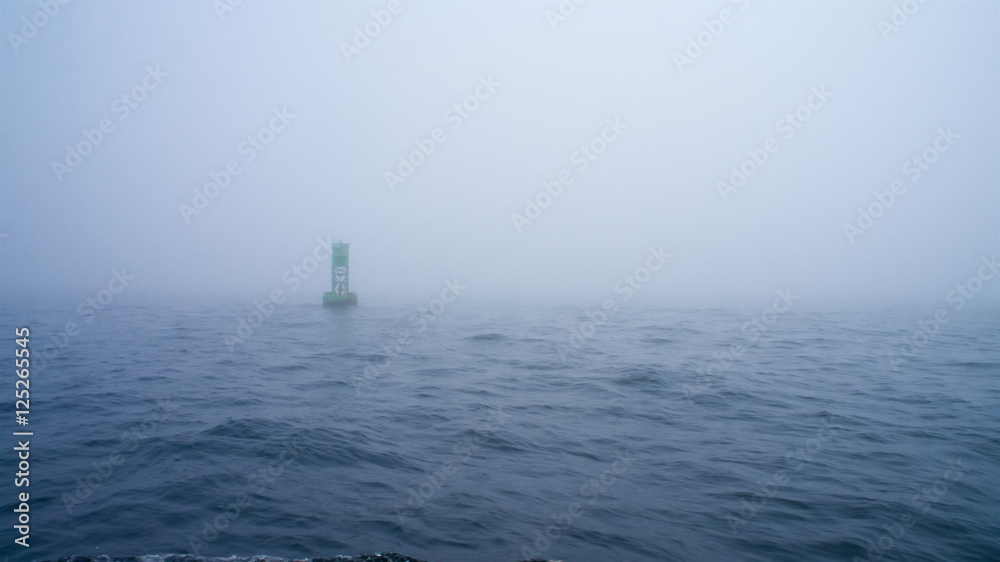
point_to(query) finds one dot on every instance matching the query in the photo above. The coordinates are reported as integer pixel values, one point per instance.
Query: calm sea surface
(498, 433)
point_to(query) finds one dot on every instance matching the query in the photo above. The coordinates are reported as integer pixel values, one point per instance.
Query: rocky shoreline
(386, 557)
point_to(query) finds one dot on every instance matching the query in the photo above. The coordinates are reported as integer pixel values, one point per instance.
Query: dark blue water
(486, 435)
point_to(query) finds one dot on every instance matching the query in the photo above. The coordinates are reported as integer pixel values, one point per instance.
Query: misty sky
(545, 88)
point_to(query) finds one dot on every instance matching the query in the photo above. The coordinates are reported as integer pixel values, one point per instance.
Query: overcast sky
(340, 109)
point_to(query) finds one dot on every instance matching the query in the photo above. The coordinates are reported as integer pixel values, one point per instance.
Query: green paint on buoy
(341, 294)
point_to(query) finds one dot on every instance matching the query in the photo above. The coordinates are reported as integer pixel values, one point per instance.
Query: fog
(832, 99)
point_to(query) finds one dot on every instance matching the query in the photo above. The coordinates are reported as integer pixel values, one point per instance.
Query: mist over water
(763, 144)
(711, 280)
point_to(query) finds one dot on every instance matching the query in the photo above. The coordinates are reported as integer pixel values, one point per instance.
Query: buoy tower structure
(341, 294)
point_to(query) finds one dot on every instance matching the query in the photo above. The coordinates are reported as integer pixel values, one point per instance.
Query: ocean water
(496, 432)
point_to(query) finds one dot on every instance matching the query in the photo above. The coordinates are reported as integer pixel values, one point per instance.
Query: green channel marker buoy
(341, 295)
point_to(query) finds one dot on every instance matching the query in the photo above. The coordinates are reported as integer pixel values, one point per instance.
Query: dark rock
(386, 557)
